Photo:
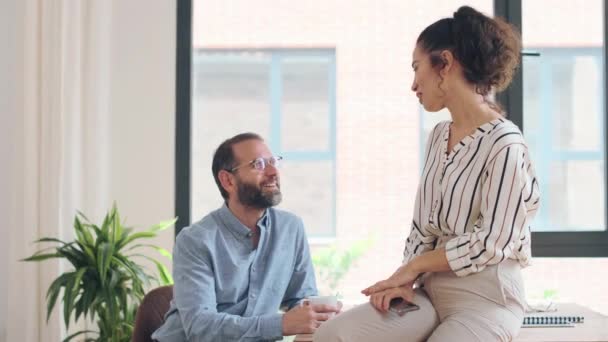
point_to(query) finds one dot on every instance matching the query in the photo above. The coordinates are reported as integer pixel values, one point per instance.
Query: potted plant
(106, 283)
(333, 263)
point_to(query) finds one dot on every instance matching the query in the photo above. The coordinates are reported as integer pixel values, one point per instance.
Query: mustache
(270, 181)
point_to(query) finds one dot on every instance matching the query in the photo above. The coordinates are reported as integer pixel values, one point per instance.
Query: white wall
(141, 103)
(143, 111)
(8, 123)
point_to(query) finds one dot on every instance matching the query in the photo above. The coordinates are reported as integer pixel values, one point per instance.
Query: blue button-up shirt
(227, 290)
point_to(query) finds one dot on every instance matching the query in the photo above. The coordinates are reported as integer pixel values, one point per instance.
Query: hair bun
(488, 47)
(466, 12)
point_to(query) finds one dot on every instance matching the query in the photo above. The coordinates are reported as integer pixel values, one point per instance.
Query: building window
(288, 97)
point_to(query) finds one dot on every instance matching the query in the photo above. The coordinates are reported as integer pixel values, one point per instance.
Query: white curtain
(59, 161)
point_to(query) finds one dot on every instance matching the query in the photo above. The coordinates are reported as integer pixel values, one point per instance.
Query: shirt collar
(238, 228)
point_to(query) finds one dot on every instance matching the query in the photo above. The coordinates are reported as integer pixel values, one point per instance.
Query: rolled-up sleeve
(417, 243)
(510, 198)
(420, 240)
(194, 295)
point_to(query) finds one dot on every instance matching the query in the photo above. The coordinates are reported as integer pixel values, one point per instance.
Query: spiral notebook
(546, 321)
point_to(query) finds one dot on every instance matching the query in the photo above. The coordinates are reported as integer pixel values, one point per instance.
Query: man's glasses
(259, 164)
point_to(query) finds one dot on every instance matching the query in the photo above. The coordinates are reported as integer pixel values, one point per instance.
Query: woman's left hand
(381, 300)
(404, 275)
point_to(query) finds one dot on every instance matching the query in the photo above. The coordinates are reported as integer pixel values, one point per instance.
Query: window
(559, 98)
(564, 125)
(328, 86)
(329, 89)
(288, 97)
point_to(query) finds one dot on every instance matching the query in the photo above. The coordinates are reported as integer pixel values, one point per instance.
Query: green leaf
(116, 226)
(53, 292)
(105, 227)
(88, 296)
(165, 275)
(41, 257)
(45, 250)
(68, 300)
(76, 257)
(83, 216)
(160, 250)
(77, 279)
(140, 235)
(104, 257)
(125, 234)
(47, 239)
(83, 233)
(162, 225)
(69, 338)
(90, 256)
(93, 227)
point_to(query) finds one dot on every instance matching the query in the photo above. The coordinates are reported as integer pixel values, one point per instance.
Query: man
(236, 267)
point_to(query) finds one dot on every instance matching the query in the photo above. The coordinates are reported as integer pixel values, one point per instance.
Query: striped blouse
(477, 201)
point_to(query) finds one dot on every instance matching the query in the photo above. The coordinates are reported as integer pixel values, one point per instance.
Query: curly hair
(487, 48)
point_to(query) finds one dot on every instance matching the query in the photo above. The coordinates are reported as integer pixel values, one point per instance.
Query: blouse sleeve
(420, 241)
(510, 198)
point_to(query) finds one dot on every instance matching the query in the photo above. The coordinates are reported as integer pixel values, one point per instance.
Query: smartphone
(400, 306)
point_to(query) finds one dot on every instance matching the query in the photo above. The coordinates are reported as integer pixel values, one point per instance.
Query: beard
(253, 195)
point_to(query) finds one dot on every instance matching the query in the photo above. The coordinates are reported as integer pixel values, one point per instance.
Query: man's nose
(271, 170)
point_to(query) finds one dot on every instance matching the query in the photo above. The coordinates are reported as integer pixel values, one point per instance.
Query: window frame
(555, 244)
(183, 106)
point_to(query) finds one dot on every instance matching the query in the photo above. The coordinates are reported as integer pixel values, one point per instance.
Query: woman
(478, 192)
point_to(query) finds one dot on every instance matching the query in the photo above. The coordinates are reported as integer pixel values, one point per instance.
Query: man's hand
(305, 319)
(381, 300)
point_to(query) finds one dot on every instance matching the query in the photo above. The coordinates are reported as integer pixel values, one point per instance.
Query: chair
(151, 312)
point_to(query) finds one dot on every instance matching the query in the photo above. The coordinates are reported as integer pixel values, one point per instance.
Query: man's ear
(226, 180)
(448, 62)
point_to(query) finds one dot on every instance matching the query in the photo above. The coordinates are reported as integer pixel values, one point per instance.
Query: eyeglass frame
(265, 163)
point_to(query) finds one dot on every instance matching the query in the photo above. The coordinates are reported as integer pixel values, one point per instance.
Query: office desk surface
(594, 329)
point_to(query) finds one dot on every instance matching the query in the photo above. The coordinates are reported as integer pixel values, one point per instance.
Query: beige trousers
(485, 306)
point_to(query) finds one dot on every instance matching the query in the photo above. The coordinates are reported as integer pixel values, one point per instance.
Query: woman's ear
(448, 62)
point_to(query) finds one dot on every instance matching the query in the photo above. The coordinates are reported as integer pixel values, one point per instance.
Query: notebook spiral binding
(552, 320)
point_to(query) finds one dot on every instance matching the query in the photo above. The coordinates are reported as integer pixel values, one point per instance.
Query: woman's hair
(488, 49)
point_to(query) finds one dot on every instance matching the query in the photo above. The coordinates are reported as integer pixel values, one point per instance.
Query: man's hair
(223, 158)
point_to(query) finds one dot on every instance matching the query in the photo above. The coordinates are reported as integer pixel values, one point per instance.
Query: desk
(595, 327)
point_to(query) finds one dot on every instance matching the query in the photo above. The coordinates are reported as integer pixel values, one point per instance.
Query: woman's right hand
(381, 300)
(403, 276)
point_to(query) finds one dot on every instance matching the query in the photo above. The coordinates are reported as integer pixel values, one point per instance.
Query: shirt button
(248, 234)
(253, 295)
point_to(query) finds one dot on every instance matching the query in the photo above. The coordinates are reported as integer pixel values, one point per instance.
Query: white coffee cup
(321, 300)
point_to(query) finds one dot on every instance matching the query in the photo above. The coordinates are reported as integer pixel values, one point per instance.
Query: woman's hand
(381, 300)
(404, 275)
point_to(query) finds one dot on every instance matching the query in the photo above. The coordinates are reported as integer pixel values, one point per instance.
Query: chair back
(151, 312)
